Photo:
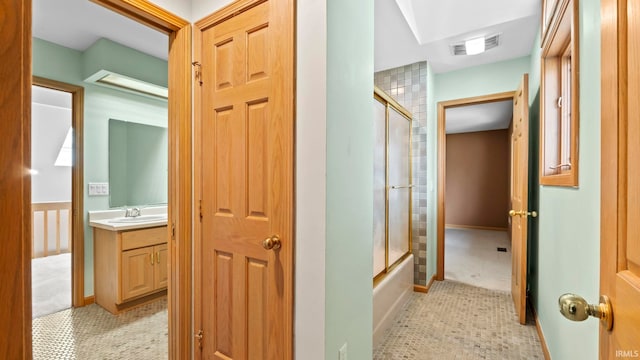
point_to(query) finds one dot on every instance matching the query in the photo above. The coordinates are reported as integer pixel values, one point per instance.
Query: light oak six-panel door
(620, 182)
(247, 181)
(519, 193)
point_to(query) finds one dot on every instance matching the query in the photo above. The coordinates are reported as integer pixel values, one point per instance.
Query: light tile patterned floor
(91, 332)
(452, 321)
(459, 321)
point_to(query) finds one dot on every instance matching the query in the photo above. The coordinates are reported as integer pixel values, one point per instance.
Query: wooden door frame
(15, 216)
(442, 157)
(180, 216)
(15, 181)
(77, 184)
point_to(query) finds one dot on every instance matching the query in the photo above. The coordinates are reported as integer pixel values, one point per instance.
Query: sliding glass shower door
(392, 184)
(380, 189)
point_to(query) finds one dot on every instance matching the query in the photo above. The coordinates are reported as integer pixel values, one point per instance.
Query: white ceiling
(480, 117)
(45, 96)
(77, 24)
(407, 31)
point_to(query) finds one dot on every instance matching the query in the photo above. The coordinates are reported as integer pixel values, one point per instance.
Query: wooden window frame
(559, 160)
(548, 9)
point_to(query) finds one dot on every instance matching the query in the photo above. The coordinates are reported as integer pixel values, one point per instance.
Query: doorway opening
(457, 136)
(179, 170)
(57, 199)
(519, 213)
(477, 244)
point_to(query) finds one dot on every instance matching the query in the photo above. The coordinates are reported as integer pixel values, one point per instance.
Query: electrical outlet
(342, 353)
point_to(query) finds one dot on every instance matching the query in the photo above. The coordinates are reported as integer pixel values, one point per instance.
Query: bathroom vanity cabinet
(131, 266)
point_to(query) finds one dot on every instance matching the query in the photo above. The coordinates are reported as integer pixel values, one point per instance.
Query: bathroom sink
(139, 219)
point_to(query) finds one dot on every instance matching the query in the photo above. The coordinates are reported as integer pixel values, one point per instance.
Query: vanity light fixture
(128, 83)
(474, 46)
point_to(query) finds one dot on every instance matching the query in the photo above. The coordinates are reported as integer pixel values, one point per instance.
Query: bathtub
(389, 296)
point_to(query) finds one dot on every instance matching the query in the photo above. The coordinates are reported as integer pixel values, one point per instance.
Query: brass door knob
(576, 308)
(271, 243)
(513, 213)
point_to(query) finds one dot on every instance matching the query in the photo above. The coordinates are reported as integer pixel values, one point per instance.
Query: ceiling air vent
(489, 43)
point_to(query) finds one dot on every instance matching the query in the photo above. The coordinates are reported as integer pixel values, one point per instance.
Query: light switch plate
(98, 189)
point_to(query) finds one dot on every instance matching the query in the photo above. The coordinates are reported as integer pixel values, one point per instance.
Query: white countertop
(114, 220)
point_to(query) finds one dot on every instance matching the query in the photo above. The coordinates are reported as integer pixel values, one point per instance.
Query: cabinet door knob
(157, 257)
(151, 258)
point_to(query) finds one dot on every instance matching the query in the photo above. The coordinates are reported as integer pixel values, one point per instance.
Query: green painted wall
(59, 63)
(481, 80)
(105, 54)
(569, 223)
(349, 211)
(475, 81)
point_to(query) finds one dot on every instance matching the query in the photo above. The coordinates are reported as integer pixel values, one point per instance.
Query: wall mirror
(138, 164)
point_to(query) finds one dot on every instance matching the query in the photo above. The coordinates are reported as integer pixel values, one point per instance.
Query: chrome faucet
(133, 212)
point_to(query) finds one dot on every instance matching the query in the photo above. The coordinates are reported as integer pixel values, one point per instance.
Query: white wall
(181, 8)
(49, 127)
(202, 8)
(311, 122)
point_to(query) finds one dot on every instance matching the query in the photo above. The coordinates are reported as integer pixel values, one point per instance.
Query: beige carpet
(50, 284)
(91, 332)
(459, 321)
(471, 257)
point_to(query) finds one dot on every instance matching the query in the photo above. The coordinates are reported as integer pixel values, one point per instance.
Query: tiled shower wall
(408, 86)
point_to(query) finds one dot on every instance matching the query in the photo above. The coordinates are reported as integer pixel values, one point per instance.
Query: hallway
(458, 321)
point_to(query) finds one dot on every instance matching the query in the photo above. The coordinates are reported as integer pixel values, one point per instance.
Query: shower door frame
(389, 102)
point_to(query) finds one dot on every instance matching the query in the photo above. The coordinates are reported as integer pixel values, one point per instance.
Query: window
(559, 97)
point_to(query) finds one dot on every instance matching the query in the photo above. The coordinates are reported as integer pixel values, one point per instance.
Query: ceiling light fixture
(474, 46)
(113, 80)
(462, 48)
(128, 83)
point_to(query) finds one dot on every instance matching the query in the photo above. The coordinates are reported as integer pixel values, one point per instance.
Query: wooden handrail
(45, 208)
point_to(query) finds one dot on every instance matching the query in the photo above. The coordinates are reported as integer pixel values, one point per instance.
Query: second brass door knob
(272, 243)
